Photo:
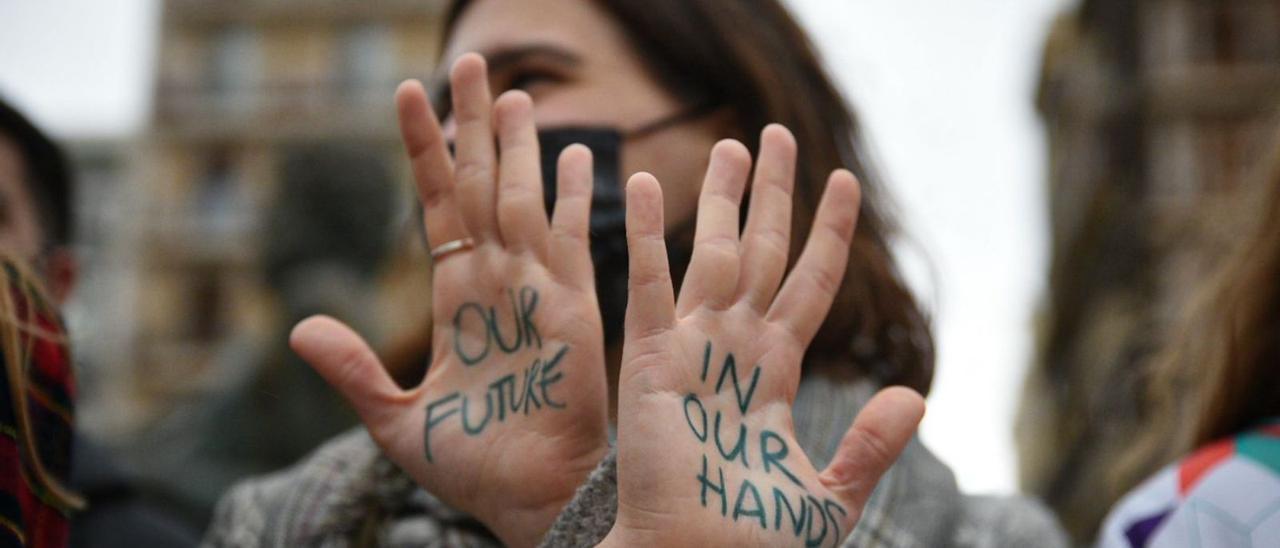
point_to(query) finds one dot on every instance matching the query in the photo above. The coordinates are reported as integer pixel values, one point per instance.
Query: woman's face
(19, 225)
(576, 63)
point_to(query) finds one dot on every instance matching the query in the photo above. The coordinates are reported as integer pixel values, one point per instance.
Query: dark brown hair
(753, 58)
(46, 174)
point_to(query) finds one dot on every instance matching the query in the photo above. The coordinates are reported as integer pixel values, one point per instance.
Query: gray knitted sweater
(348, 494)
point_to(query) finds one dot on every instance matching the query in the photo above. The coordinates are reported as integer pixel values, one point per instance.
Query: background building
(266, 112)
(942, 88)
(1157, 111)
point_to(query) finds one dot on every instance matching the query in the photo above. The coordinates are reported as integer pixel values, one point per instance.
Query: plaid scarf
(36, 417)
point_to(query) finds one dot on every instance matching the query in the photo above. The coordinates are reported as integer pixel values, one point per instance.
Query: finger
(345, 361)
(431, 165)
(475, 156)
(570, 250)
(878, 435)
(766, 240)
(805, 298)
(712, 277)
(522, 218)
(650, 299)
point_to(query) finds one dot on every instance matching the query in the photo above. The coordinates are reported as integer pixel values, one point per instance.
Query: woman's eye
(526, 81)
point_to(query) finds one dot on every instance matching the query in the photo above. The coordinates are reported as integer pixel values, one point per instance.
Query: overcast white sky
(944, 87)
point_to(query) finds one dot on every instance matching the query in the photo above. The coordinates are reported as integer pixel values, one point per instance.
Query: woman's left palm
(707, 453)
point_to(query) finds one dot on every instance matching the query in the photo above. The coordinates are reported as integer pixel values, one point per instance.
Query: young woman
(728, 400)
(37, 386)
(1217, 392)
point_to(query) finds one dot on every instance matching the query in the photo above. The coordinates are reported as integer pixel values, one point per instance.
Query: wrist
(622, 536)
(610, 540)
(517, 524)
(525, 527)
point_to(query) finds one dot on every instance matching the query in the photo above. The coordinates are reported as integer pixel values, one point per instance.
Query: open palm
(511, 416)
(707, 454)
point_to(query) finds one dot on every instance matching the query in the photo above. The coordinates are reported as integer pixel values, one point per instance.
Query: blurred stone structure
(99, 314)
(1156, 112)
(267, 113)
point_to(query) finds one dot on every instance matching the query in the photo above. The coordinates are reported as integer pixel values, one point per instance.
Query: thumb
(878, 435)
(345, 361)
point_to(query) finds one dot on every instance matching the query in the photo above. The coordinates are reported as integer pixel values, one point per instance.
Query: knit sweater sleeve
(998, 522)
(344, 494)
(589, 515)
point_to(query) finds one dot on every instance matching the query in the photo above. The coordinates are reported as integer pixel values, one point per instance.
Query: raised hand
(511, 416)
(707, 455)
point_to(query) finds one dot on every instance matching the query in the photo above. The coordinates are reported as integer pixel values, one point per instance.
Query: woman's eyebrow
(503, 58)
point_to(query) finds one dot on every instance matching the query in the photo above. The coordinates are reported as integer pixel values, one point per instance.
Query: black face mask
(608, 224)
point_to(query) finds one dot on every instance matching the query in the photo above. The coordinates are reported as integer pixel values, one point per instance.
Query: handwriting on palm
(706, 449)
(511, 416)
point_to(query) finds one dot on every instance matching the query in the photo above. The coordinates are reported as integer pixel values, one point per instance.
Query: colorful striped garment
(1224, 495)
(34, 508)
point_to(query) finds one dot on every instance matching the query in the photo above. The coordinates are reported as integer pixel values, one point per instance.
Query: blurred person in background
(35, 229)
(644, 85)
(1215, 400)
(35, 215)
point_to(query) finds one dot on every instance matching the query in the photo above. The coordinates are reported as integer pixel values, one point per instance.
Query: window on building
(236, 66)
(368, 62)
(217, 203)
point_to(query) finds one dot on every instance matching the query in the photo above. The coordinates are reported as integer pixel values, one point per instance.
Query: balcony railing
(198, 12)
(302, 109)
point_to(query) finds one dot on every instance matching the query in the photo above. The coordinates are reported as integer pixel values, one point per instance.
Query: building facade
(1157, 113)
(265, 112)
